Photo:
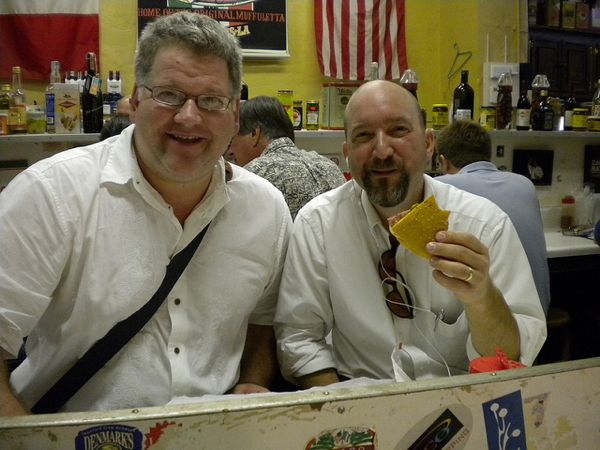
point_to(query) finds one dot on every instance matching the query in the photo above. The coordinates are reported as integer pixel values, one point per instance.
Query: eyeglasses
(398, 300)
(176, 98)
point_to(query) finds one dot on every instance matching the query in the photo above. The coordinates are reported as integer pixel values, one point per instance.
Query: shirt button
(176, 350)
(177, 301)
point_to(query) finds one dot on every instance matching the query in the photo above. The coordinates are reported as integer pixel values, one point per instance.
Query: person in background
(464, 153)
(474, 294)
(124, 107)
(103, 221)
(265, 146)
(114, 126)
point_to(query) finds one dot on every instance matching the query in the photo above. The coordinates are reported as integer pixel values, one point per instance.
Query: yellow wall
(433, 27)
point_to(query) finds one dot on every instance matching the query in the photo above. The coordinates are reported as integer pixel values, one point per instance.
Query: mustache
(386, 164)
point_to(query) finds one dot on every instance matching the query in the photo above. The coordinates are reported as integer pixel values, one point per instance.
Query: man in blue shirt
(464, 151)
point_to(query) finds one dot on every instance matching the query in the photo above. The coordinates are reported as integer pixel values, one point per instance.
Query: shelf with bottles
(339, 134)
(80, 138)
(559, 30)
(319, 134)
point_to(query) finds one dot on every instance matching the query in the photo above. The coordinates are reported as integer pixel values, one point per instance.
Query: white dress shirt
(331, 285)
(85, 242)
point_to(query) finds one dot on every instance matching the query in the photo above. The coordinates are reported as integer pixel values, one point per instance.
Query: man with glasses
(354, 303)
(86, 236)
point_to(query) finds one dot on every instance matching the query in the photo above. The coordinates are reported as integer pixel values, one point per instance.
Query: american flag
(353, 33)
(35, 32)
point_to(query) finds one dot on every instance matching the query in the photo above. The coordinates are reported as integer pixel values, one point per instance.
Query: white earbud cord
(415, 309)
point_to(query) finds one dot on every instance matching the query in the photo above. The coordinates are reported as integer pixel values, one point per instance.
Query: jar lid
(440, 105)
(580, 109)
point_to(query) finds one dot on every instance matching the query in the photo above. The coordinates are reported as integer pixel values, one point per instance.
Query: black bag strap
(105, 348)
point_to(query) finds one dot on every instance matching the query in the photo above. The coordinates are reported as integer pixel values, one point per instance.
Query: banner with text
(260, 25)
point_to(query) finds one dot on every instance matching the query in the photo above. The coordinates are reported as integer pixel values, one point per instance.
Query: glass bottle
(570, 105)
(5, 93)
(504, 102)
(523, 110)
(91, 97)
(410, 81)
(374, 72)
(244, 91)
(596, 101)
(540, 81)
(17, 110)
(542, 116)
(54, 78)
(567, 215)
(463, 98)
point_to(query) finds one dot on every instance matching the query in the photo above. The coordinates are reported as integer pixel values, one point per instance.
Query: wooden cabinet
(570, 59)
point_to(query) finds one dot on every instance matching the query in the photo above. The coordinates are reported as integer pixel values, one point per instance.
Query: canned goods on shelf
(580, 116)
(3, 123)
(298, 115)
(439, 118)
(312, 115)
(286, 97)
(593, 123)
(487, 117)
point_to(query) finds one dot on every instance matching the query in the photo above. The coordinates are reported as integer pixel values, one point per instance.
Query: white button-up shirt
(331, 285)
(85, 243)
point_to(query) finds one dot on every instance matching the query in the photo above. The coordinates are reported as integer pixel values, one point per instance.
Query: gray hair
(196, 32)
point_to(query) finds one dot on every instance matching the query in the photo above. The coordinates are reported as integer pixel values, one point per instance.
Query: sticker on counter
(445, 428)
(504, 422)
(113, 437)
(347, 438)
(156, 432)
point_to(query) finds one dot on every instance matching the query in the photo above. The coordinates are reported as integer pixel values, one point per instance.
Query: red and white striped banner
(35, 32)
(353, 33)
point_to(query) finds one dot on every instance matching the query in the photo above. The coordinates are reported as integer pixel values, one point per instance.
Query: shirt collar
(122, 167)
(479, 165)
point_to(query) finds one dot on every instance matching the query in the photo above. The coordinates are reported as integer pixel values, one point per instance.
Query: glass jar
(439, 118)
(487, 117)
(580, 116)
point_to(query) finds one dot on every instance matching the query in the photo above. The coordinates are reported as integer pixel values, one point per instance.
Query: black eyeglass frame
(183, 97)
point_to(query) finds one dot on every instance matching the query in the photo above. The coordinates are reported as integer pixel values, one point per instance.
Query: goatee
(385, 193)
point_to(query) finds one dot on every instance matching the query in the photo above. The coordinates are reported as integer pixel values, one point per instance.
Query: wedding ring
(466, 280)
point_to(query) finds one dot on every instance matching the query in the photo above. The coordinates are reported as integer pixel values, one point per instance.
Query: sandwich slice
(419, 226)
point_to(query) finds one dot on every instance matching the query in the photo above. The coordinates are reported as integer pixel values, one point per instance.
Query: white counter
(559, 246)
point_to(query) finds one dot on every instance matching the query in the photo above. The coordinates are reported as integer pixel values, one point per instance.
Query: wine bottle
(17, 110)
(523, 110)
(91, 97)
(542, 116)
(540, 81)
(49, 96)
(570, 105)
(464, 98)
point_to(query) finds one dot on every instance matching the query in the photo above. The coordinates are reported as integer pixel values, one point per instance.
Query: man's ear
(444, 163)
(256, 135)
